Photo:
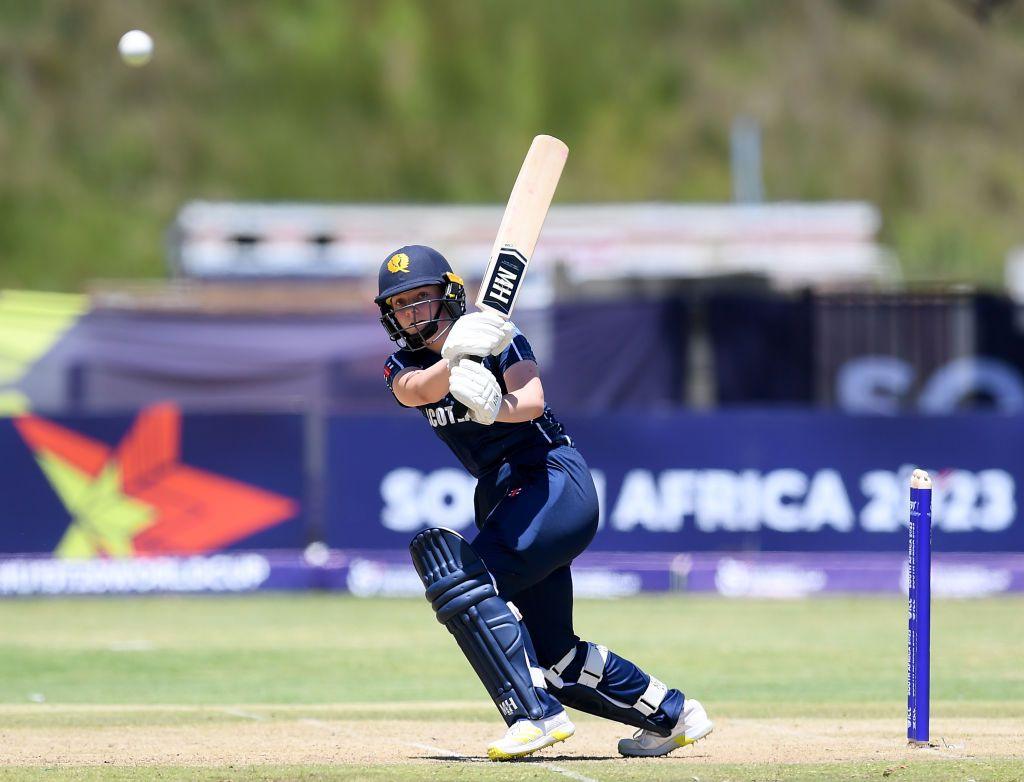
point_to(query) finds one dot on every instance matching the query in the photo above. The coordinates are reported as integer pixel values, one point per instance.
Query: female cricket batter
(507, 597)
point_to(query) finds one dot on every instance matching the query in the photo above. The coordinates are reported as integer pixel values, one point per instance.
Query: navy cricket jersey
(481, 448)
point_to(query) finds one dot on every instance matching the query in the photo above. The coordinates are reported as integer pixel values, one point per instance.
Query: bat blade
(521, 225)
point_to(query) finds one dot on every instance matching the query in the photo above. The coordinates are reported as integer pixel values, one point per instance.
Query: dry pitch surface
(246, 735)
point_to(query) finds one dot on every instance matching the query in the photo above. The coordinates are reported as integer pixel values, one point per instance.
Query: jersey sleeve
(518, 350)
(392, 366)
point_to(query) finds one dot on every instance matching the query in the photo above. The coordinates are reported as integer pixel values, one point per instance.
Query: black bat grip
(460, 409)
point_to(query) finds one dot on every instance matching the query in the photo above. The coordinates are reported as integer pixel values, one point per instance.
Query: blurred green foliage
(910, 104)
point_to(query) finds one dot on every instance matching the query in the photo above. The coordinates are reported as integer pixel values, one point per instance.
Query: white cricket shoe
(527, 736)
(693, 725)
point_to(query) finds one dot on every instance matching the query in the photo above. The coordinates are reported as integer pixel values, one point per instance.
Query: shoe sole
(679, 741)
(496, 753)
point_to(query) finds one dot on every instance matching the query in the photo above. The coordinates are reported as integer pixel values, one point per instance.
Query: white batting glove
(478, 334)
(474, 385)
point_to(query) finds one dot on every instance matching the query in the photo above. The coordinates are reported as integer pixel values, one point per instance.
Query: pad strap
(562, 664)
(593, 666)
(652, 698)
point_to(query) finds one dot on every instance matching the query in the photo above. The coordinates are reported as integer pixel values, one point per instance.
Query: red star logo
(138, 499)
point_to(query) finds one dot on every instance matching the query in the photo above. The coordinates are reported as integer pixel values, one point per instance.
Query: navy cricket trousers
(536, 513)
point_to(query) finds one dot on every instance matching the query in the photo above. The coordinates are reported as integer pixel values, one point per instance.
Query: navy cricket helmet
(412, 267)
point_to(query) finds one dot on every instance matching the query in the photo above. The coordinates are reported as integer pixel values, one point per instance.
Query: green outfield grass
(81, 667)
(794, 656)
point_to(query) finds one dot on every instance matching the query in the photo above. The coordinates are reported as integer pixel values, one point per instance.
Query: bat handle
(460, 409)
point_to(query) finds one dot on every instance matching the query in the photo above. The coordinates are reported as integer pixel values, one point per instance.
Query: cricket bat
(521, 225)
(519, 230)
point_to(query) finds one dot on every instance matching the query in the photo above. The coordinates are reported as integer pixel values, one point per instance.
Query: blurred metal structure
(745, 152)
(791, 245)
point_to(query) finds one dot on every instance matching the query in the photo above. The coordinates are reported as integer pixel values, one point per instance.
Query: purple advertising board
(389, 573)
(735, 481)
(770, 504)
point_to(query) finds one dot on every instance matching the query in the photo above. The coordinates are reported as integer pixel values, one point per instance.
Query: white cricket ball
(136, 48)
